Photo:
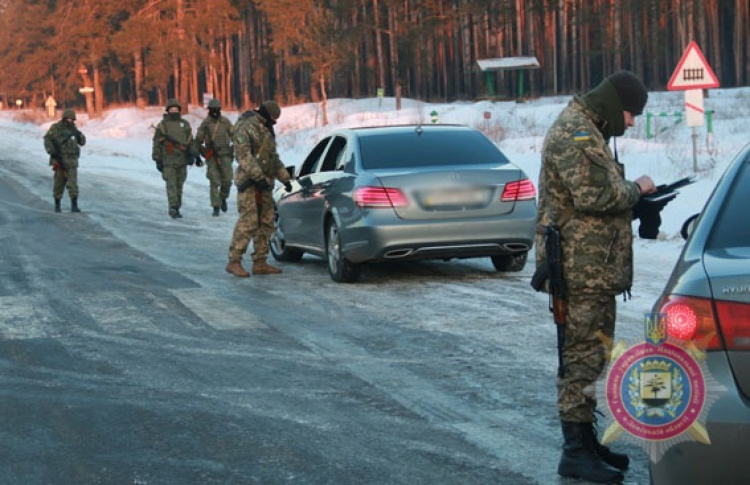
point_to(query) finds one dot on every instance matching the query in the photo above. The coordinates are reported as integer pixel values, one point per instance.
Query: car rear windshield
(428, 149)
(732, 229)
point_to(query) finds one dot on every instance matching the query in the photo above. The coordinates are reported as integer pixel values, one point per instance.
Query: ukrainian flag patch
(581, 136)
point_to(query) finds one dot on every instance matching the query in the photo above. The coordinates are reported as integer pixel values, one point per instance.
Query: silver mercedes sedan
(707, 304)
(404, 193)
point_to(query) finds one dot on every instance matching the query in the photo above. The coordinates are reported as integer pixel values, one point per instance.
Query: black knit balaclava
(622, 91)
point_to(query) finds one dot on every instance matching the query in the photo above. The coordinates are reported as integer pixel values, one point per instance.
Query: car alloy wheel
(513, 262)
(341, 270)
(279, 249)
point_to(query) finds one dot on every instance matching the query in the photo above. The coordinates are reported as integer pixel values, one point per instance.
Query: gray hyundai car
(404, 193)
(707, 303)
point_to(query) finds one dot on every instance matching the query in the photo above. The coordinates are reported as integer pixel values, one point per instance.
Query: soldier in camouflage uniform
(173, 150)
(258, 167)
(214, 139)
(584, 191)
(63, 142)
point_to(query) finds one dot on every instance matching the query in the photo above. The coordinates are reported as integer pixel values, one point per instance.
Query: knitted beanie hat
(631, 91)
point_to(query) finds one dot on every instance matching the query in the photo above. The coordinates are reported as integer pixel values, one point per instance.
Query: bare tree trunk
(356, 75)
(98, 93)
(393, 47)
(228, 72)
(210, 69)
(379, 45)
(715, 36)
(194, 91)
(465, 84)
(324, 100)
(140, 100)
(616, 8)
(564, 53)
(183, 70)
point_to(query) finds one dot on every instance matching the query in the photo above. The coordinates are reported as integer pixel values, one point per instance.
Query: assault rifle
(190, 158)
(208, 151)
(552, 274)
(55, 158)
(260, 185)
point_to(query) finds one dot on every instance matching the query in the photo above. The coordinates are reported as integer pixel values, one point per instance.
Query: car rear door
(322, 188)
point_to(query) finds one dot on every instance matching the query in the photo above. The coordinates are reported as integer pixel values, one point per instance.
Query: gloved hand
(198, 162)
(288, 186)
(262, 184)
(159, 166)
(649, 214)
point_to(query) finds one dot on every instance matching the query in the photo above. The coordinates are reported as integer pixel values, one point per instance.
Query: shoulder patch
(581, 136)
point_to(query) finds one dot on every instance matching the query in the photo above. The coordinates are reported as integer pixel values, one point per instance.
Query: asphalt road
(124, 361)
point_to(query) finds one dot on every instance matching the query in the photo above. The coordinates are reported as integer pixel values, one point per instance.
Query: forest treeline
(143, 52)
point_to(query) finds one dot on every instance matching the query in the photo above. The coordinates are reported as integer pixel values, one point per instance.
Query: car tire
(341, 270)
(282, 252)
(512, 263)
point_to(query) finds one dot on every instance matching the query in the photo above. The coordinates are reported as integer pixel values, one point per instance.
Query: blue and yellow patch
(581, 136)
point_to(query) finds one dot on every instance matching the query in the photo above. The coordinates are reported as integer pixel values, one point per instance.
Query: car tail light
(690, 318)
(379, 198)
(518, 190)
(734, 320)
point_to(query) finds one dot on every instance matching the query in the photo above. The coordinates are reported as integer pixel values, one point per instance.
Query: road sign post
(693, 75)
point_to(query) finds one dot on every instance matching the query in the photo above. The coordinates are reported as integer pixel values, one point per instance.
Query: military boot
(223, 205)
(235, 268)
(174, 213)
(261, 267)
(216, 212)
(579, 458)
(74, 205)
(617, 460)
(57, 205)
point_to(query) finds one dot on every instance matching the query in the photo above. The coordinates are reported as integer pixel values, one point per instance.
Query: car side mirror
(688, 226)
(290, 169)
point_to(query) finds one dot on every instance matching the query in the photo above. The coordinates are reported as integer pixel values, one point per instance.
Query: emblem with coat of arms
(658, 391)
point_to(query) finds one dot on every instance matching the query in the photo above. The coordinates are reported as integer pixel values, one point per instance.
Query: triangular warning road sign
(693, 72)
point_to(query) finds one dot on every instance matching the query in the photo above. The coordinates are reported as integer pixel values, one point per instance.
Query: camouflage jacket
(583, 190)
(171, 153)
(215, 134)
(64, 140)
(255, 149)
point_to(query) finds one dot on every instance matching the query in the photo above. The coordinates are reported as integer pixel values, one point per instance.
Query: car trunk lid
(460, 193)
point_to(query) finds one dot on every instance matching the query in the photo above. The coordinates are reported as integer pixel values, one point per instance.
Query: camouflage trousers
(69, 179)
(219, 174)
(254, 223)
(589, 331)
(174, 177)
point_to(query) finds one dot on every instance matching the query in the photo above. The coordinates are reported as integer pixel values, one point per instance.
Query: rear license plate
(455, 198)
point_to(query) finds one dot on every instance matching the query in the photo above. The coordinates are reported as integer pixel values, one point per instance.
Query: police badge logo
(658, 392)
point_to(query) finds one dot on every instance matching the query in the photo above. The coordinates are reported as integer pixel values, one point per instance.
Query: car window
(311, 162)
(334, 154)
(430, 148)
(732, 229)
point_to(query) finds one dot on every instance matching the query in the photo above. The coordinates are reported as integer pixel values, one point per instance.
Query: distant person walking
(214, 139)
(173, 149)
(258, 166)
(63, 142)
(585, 195)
